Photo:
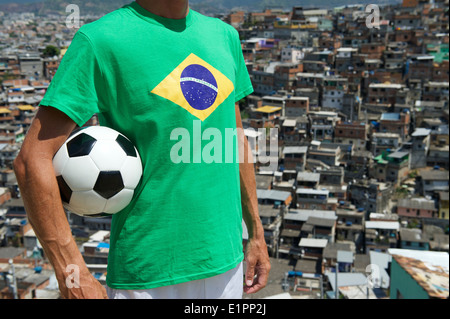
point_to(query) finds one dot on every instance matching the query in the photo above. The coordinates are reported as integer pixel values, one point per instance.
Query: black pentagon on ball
(109, 183)
(64, 189)
(126, 145)
(80, 145)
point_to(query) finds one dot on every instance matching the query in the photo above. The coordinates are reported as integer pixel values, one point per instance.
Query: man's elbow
(21, 165)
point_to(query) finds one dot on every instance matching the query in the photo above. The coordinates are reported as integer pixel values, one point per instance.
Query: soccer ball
(97, 170)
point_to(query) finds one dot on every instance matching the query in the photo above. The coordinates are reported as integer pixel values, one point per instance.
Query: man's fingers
(258, 283)
(255, 283)
(249, 274)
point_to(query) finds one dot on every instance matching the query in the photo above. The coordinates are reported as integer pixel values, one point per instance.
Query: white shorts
(228, 285)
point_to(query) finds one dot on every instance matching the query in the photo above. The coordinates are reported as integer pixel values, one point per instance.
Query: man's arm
(39, 189)
(256, 255)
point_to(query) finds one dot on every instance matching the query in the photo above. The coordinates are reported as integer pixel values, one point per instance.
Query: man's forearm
(46, 215)
(42, 202)
(248, 196)
(40, 192)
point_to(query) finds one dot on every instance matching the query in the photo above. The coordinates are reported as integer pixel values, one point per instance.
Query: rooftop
(295, 149)
(417, 203)
(308, 177)
(320, 222)
(313, 242)
(304, 214)
(386, 85)
(428, 268)
(390, 117)
(413, 235)
(346, 279)
(312, 191)
(421, 132)
(268, 109)
(382, 225)
(434, 175)
(272, 194)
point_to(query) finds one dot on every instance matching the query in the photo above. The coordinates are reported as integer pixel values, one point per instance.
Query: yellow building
(443, 205)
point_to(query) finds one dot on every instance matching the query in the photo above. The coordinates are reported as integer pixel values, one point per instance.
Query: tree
(51, 51)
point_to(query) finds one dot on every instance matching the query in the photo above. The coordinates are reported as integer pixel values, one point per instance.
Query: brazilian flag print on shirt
(196, 86)
(148, 77)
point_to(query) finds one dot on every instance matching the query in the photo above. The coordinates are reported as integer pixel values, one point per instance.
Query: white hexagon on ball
(87, 202)
(119, 201)
(104, 134)
(80, 173)
(60, 160)
(131, 171)
(108, 150)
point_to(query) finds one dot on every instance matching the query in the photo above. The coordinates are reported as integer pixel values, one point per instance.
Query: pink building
(417, 207)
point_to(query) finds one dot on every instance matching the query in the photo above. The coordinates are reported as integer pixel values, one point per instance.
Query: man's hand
(82, 286)
(258, 265)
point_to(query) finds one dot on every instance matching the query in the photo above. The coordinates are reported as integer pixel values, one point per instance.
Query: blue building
(413, 239)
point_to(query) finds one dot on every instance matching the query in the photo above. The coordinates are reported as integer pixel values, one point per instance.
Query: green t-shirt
(170, 86)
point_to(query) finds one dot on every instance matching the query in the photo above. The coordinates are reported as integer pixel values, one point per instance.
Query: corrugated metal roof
(312, 191)
(382, 225)
(295, 149)
(272, 194)
(390, 116)
(421, 132)
(304, 214)
(313, 242)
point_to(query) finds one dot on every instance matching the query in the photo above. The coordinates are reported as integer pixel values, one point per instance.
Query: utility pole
(336, 292)
(13, 282)
(321, 287)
